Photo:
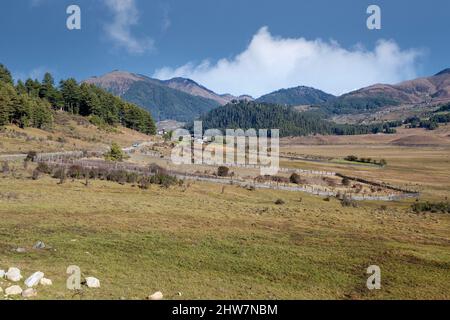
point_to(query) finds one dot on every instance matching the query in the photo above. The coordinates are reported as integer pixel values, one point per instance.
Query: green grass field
(208, 245)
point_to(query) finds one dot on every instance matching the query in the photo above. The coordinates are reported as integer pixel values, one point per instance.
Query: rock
(156, 296)
(29, 293)
(1, 290)
(92, 282)
(21, 250)
(39, 245)
(34, 279)
(13, 275)
(13, 291)
(46, 282)
(2, 274)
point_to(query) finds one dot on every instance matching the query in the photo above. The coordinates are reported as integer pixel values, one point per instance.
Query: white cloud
(270, 63)
(166, 21)
(126, 15)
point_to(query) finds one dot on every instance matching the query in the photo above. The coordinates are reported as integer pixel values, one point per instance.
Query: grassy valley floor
(208, 245)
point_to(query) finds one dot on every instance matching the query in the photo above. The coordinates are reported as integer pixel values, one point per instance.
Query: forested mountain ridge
(31, 104)
(246, 115)
(297, 96)
(164, 99)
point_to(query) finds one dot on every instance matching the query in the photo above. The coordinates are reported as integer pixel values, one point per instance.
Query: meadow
(204, 241)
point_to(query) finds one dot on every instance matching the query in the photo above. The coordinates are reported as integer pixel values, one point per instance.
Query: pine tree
(5, 75)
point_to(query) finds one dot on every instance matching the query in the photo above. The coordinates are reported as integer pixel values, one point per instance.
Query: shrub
(346, 181)
(119, 176)
(132, 177)
(36, 174)
(436, 207)
(75, 172)
(348, 202)
(42, 167)
(351, 158)
(60, 174)
(31, 156)
(223, 171)
(155, 169)
(164, 180)
(5, 167)
(144, 183)
(115, 154)
(295, 178)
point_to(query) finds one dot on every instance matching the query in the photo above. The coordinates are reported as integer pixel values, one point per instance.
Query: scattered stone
(13, 275)
(34, 279)
(156, 296)
(13, 291)
(2, 273)
(39, 245)
(29, 293)
(46, 282)
(179, 294)
(92, 282)
(21, 250)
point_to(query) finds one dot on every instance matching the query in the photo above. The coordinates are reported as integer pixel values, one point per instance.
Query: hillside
(290, 122)
(296, 96)
(193, 88)
(69, 133)
(177, 100)
(34, 103)
(428, 90)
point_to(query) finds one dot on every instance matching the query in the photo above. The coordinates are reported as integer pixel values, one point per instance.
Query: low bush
(223, 171)
(42, 167)
(348, 202)
(295, 178)
(436, 207)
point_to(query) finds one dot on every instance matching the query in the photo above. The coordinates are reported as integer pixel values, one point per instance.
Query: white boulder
(34, 279)
(2, 273)
(29, 293)
(13, 291)
(13, 275)
(156, 296)
(92, 282)
(46, 282)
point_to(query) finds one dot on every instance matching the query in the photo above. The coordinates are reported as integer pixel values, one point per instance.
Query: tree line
(247, 114)
(32, 104)
(432, 123)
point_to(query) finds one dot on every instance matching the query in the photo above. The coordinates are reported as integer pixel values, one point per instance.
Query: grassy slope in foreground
(207, 245)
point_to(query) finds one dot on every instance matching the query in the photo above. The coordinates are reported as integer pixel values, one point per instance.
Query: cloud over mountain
(270, 63)
(125, 16)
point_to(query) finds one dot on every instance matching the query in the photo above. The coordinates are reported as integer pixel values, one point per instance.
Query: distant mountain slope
(296, 96)
(163, 101)
(167, 103)
(427, 90)
(193, 88)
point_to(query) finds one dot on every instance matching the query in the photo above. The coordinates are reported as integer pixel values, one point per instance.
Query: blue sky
(229, 45)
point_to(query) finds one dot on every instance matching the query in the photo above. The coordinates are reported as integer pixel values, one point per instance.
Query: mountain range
(177, 99)
(183, 99)
(422, 91)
